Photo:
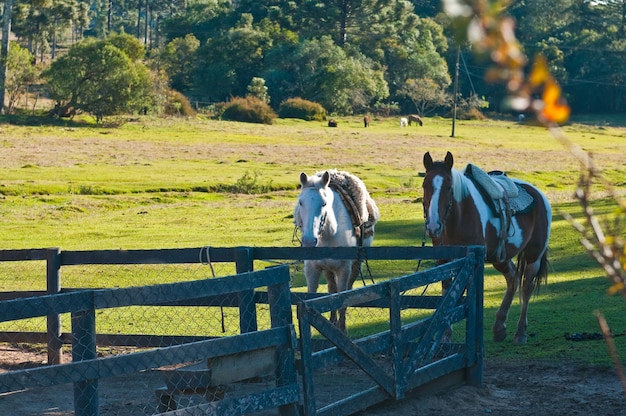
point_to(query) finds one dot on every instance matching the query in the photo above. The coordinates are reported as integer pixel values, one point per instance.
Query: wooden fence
(416, 348)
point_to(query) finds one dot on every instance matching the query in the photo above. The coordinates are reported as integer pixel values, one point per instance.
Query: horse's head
(438, 193)
(314, 213)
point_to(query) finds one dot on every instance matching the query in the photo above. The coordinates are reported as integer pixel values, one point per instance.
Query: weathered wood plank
(139, 361)
(23, 254)
(173, 292)
(237, 406)
(242, 366)
(11, 310)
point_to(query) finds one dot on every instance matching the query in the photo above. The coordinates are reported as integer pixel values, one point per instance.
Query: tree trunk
(4, 50)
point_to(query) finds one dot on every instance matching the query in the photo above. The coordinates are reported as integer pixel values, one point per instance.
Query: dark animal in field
(414, 118)
(366, 121)
(332, 123)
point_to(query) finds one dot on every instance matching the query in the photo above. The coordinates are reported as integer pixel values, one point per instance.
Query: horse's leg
(312, 275)
(344, 282)
(528, 286)
(355, 270)
(512, 277)
(332, 288)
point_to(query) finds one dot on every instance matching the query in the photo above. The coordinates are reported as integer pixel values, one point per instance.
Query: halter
(298, 225)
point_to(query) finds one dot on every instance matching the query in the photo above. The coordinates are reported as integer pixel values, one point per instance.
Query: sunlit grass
(148, 184)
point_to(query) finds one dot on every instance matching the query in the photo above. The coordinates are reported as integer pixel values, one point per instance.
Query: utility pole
(456, 88)
(4, 50)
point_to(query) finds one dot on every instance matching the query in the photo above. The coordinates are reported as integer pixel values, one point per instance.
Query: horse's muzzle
(309, 242)
(434, 230)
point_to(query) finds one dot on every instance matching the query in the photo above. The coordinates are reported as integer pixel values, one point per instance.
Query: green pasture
(154, 183)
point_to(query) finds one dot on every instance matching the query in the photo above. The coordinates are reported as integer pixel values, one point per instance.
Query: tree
(98, 78)
(416, 54)
(258, 89)
(20, 72)
(228, 62)
(321, 71)
(425, 94)
(177, 59)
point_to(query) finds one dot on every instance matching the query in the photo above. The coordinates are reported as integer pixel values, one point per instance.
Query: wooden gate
(408, 355)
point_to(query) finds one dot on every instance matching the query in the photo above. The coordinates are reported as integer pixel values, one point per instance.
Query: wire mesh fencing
(154, 331)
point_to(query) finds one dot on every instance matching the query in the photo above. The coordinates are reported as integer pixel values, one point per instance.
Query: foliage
(323, 72)
(128, 44)
(178, 105)
(228, 62)
(249, 109)
(19, 73)
(247, 184)
(425, 94)
(98, 78)
(302, 109)
(177, 60)
(258, 89)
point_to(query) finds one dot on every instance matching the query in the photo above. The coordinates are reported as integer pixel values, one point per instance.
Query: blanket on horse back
(362, 208)
(505, 197)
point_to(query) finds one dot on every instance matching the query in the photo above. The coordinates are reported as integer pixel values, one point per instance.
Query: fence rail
(415, 347)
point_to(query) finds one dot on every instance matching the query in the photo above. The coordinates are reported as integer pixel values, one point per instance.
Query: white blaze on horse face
(433, 222)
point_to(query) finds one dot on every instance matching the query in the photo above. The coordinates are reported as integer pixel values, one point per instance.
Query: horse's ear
(449, 160)
(303, 179)
(428, 161)
(326, 179)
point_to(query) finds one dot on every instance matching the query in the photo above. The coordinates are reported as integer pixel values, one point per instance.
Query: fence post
(244, 262)
(84, 348)
(475, 333)
(53, 286)
(279, 299)
(395, 331)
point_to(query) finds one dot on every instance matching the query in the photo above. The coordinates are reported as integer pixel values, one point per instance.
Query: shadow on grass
(42, 119)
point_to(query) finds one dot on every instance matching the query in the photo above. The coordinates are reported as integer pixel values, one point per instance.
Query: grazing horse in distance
(508, 216)
(366, 121)
(415, 118)
(404, 122)
(334, 209)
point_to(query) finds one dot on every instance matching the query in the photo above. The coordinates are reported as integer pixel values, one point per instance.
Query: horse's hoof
(520, 339)
(499, 335)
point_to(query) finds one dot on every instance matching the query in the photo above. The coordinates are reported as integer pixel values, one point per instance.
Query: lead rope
(419, 262)
(210, 264)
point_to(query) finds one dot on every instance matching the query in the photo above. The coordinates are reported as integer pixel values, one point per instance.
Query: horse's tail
(541, 276)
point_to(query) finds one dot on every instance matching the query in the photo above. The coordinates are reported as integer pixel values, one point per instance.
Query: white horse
(326, 221)
(404, 122)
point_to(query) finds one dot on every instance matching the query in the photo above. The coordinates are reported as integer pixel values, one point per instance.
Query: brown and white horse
(456, 213)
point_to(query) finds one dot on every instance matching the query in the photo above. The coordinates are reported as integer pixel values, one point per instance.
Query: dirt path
(516, 388)
(523, 389)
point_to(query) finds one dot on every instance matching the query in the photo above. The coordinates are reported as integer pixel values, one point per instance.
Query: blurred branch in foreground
(491, 33)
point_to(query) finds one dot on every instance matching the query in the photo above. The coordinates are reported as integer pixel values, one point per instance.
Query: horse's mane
(355, 188)
(459, 186)
(358, 191)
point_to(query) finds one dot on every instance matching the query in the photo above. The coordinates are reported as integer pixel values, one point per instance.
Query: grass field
(154, 183)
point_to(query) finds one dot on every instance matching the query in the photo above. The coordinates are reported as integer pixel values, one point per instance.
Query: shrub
(178, 105)
(302, 109)
(249, 110)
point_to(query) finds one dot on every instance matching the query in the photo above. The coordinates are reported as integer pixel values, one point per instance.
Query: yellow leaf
(617, 287)
(554, 109)
(539, 73)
